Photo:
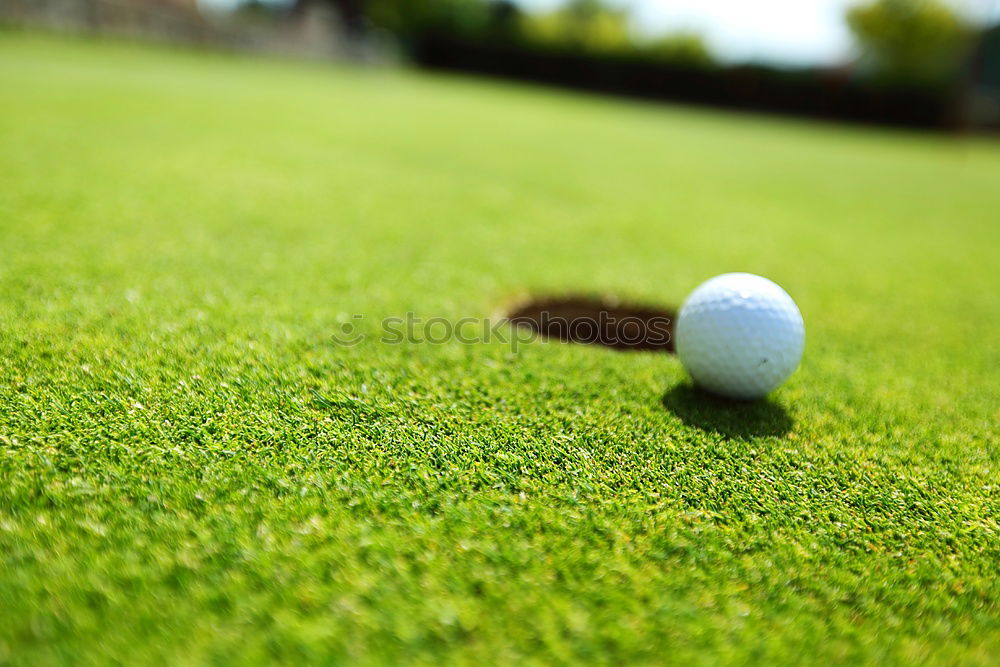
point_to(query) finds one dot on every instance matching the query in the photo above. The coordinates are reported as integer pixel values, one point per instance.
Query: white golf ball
(739, 335)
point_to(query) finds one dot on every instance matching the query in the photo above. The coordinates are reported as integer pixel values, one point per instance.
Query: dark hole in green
(599, 321)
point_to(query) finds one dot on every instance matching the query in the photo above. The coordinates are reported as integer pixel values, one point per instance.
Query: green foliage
(589, 26)
(582, 26)
(192, 472)
(679, 47)
(585, 25)
(410, 18)
(920, 40)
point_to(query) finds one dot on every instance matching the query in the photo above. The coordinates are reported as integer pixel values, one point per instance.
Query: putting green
(193, 470)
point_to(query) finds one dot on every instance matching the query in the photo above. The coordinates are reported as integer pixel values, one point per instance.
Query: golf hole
(598, 321)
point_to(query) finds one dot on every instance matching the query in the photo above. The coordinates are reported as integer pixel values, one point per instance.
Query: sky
(791, 32)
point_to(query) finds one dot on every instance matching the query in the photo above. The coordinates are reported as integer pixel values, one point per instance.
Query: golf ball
(739, 335)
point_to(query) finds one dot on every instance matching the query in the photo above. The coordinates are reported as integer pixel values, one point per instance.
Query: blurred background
(923, 63)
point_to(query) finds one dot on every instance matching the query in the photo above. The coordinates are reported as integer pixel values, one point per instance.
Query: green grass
(191, 470)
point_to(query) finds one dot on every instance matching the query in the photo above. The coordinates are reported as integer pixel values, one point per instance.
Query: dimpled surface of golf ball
(739, 335)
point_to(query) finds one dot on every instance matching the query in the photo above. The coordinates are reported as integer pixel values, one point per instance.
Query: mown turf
(192, 470)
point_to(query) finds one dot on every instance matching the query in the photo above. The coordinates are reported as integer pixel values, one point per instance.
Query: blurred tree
(681, 47)
(586, 25)
(410, 18)
(912, 40)
(505, 19)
